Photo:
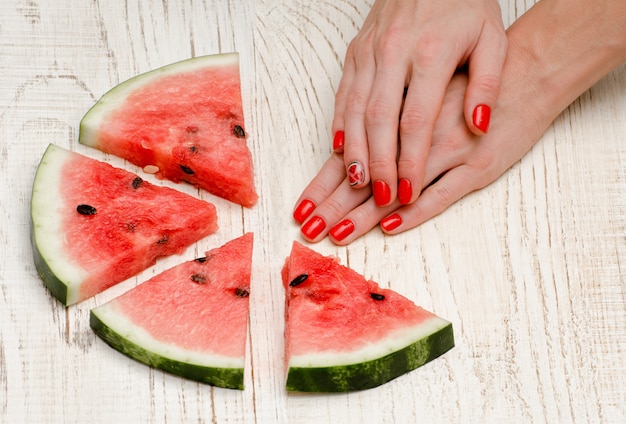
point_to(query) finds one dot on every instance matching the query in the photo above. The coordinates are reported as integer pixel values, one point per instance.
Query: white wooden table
(530, 270)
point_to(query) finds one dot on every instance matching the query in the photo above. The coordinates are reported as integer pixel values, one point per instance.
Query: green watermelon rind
(62, 279)
(57, 287)
(102, 321)
(90, 123)
(372, 373)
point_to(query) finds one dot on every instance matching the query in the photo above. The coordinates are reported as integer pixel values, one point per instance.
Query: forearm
(565, 46)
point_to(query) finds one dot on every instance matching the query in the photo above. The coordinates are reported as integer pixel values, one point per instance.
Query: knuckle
(391, 41)
(442, 193)
(483, 160)
(379, 111)
(409, 166)
(334, 208)
(412, 120)
(350, 54)
(429, 49)
(488, 83)
(486, 166)
(381, 164)
(318, 186)
(356, 102)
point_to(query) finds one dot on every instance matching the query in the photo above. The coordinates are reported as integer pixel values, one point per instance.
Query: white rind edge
(394, 342)
(49, 239)
(128, 330)
(114, 97)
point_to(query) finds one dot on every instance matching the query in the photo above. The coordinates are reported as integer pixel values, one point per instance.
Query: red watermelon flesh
(183, 122)
(190, 320)
(346, 333)
(95, 225)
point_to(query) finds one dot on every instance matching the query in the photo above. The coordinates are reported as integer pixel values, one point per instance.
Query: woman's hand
(399, 66)
(459, 162)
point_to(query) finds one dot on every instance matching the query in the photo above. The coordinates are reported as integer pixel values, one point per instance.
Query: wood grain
(531, 270)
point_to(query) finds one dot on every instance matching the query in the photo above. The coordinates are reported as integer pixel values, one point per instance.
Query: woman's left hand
(459, 162)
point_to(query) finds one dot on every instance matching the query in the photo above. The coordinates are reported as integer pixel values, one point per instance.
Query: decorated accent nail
(382, 193)
(481, 117)
(338, 141)
(303, 210)
(313, 227)
(391, 222)
(356, 173)
(342, 230)
(405, 191)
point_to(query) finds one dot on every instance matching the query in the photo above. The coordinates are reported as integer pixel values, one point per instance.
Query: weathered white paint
(530, 270)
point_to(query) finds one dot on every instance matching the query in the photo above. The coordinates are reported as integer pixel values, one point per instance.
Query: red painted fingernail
(338, 141)
(342, 230)
(481, 116)
(303, 210)
(382, 194)
(356, 173)
(405, 191)
(391, 222)
(313, 227)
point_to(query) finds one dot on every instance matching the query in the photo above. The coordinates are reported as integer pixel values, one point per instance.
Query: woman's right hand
(396, 72)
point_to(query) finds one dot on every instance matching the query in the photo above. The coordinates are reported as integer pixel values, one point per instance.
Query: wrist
(562, 50)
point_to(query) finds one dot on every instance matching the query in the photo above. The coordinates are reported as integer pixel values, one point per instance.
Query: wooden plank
(530, 270)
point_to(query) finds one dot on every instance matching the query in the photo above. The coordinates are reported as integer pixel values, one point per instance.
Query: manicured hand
(396, 72)
(459, 162)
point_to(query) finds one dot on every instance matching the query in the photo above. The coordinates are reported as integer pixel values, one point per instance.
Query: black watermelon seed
(192, 129)
(299, 280)
(239, 132)
(137, 182)
(201, 260)
(377, 296)
(187, 170)
(193, 149)
(162, 240)
(86, 210)
(242, 292)
(198, 278)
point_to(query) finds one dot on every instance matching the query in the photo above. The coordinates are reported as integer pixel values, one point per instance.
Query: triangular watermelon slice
(94, 225)
(183, 122)
(344, 333)
(190, 320)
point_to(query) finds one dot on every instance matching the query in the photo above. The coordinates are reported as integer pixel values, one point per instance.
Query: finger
(355, 149)
(347, 79)
(420, 111)
(452, 186)
(359, 221)
(321, 187)
(331, 210)
(381, 125)
(485, 71)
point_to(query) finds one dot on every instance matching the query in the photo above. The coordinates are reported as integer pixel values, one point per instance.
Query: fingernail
(338, 141)
(356, 173)
(342, 230)
(481, 116)
(382, 194)
(405, 191)
(303, 210)
(391, 222)
(313, 227)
